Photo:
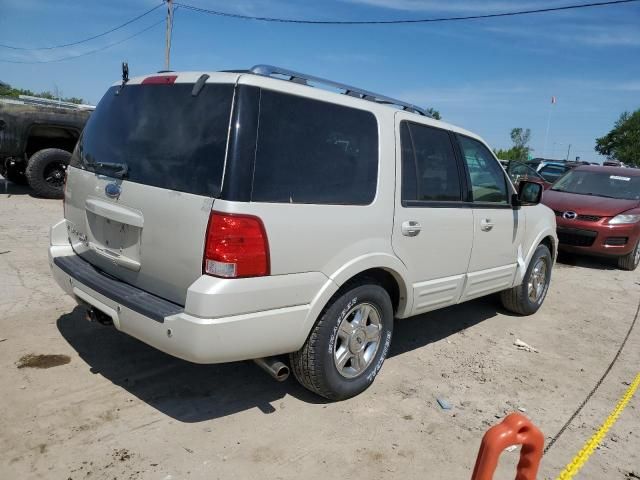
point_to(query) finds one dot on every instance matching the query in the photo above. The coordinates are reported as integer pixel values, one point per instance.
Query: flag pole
(546, 135)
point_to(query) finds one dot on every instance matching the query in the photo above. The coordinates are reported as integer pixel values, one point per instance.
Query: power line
(90, 52)
(402, 21)
(128, 22)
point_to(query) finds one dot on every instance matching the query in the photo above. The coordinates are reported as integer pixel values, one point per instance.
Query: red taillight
(160, 80)
(235, 246)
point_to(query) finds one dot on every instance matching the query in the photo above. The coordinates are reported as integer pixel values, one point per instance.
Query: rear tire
(46, 171)
(347, 345)
(631, 260)
(527, 298)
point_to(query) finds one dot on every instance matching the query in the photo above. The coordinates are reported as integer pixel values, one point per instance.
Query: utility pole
(568, 152)
(167, 50)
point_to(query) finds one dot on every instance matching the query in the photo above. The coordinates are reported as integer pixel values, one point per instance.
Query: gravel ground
(79, 400)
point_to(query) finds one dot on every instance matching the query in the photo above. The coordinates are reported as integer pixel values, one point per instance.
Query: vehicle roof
(627, 172)
(234, 76)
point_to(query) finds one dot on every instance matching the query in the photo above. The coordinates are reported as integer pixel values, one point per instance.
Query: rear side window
(429, 166)
(310, 151)
(166, 137)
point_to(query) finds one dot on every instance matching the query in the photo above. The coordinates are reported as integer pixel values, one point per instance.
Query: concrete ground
(110, 407)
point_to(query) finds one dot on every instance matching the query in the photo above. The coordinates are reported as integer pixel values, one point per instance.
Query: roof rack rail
(304, 79)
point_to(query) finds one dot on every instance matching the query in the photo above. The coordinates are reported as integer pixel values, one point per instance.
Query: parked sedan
(598, 212)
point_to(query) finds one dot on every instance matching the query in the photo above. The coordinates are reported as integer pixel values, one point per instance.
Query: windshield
(602, 184)
(160, 135)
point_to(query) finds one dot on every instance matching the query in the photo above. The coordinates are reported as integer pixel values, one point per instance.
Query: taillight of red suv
(235, 246)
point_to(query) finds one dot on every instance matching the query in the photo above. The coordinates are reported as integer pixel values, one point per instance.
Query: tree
(622, 143)
(434, 113)
(9, 91)
(520, 151)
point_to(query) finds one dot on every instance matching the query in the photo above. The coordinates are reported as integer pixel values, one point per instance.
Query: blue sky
(487, 76)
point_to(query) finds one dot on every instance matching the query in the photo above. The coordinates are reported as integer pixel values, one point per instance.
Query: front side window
(429, 167)
(488, 181)
(315, 152)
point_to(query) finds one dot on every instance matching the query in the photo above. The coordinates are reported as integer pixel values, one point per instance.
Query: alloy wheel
(357, 340)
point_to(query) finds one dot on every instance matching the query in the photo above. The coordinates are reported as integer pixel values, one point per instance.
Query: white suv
(226, 216)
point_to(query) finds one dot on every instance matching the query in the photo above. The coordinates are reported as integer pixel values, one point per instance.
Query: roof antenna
(125, 76)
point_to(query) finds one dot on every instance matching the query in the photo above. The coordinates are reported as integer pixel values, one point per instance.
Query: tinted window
(488, 181)
(167, 137)
(314, 152)
(429, 169)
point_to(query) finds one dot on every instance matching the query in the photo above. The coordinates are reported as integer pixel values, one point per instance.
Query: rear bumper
(597, 238)
(172, 328)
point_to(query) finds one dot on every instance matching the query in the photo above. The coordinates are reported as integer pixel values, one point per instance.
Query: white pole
(167, 51)
(546, 135)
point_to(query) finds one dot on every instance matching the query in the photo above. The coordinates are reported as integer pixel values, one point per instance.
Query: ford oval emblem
(112, 190)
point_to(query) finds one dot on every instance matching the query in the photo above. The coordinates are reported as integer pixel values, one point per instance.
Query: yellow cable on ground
(587, 450)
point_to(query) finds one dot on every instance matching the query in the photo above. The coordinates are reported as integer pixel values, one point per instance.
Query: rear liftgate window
(310, 151)
(167, 137)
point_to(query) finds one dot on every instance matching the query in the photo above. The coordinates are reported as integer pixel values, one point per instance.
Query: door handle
(411, 228)
(486, 225)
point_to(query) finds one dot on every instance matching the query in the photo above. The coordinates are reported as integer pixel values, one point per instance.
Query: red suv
(598, 212)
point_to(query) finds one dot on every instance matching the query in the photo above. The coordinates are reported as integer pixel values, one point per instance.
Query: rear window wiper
(120, 169)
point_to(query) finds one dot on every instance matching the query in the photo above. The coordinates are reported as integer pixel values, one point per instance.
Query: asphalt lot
(110, 407)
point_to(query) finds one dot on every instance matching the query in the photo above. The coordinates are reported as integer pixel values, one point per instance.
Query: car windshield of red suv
(600, 184)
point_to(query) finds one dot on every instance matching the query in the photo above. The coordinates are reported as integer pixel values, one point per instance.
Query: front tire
(631, 260)
(347, 345)
(46, 172)
(527, 298)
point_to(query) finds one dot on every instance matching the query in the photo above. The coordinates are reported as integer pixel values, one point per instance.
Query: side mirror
(529, 193)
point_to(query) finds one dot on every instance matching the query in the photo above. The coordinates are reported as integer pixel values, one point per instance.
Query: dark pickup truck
(36, 141)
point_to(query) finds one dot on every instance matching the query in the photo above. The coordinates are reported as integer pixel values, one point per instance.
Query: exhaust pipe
(273, 367)
(95, 315)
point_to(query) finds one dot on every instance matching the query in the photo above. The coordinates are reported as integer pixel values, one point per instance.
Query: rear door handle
(411, 228)
(486, 225)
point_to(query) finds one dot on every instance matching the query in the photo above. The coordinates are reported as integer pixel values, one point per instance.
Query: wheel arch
(546, 237)
(384, 269)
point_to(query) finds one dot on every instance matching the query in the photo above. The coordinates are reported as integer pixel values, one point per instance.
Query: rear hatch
(143, 177)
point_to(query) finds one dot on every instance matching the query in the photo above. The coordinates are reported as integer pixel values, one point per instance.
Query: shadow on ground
(10, 188)
(566, 259)
(189, 392)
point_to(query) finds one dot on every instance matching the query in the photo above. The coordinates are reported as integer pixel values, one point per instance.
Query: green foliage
(622, 143)
(9, 91)
(434, 113)
(520, 151)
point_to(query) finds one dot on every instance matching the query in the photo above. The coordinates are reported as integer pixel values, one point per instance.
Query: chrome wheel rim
(537, 280)
(636, 258)
(357, 340)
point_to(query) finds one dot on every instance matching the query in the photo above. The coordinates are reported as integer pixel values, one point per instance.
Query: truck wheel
(347, 345)
(527, 298)
(46, 171)
(15, 174)
(631, 260)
